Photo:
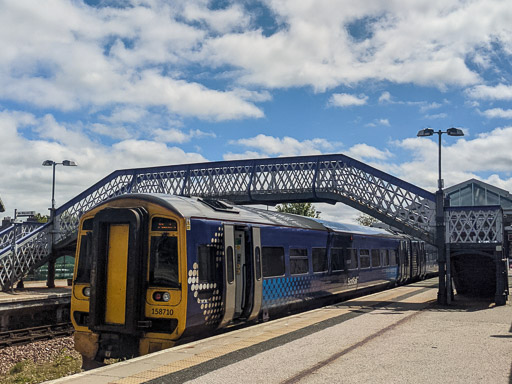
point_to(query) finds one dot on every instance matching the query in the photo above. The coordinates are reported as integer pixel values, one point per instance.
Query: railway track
(30, 335)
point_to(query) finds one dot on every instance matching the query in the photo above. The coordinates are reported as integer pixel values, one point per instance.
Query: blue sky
(122, 84)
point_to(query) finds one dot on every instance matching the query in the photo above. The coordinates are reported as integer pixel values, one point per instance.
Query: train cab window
(273, 261)
(206, 259)
(299, 263)
(163, 269)
(364, 258)
(319, 259)
(83, 271)
(337, 259)
(392, 257)
(375, 258)
(351, 258)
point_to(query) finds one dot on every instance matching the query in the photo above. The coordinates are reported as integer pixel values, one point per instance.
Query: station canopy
(477, 193)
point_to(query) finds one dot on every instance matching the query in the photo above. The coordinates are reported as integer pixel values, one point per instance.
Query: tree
(303, 209)
(366, 220)
(41, 218)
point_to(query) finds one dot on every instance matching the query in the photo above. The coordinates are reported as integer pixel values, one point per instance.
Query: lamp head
(454, 132)
(425, 132)
(68, 163)
(48, 163)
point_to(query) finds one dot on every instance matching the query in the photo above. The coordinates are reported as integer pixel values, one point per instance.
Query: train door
(117, 260)
(242, 273)
(403, 258)
(414, 259)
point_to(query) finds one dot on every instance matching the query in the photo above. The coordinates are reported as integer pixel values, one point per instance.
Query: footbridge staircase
(323, 178)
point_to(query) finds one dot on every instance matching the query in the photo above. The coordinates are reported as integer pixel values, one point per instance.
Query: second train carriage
(151, 269)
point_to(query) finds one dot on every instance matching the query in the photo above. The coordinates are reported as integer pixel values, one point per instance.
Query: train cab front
(127, 297)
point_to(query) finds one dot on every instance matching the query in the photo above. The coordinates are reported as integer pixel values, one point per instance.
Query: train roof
(195, 207)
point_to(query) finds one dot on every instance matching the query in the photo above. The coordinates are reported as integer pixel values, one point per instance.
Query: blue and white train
(152, 269)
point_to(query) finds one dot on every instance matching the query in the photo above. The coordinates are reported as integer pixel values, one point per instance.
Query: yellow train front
(132, 276)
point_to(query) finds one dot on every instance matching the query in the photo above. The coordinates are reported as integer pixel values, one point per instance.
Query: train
(154, 269)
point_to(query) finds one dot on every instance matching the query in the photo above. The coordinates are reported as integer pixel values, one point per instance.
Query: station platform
(35, 290)
(399, 335)
(35, 305)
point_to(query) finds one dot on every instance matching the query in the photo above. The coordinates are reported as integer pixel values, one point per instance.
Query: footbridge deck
(324, 178)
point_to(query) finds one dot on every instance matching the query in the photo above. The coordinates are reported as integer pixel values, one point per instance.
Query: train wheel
(88, 364)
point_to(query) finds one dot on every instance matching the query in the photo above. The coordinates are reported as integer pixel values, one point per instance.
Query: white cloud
(28, 186)
(346, 100)
(430, 106)
(436, 116)
(462, 158)
(385, 97)
(405, 42)
(377, 122)
(367, 152)
(174, 135)
(267, 146)
(69, 56)
(220, 21)
(485, 92)
(498, 113)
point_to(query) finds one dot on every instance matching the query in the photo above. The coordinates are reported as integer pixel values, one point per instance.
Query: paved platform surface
(395, 336)
(36, 290)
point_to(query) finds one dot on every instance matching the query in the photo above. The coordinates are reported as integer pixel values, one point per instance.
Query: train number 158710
(162, 311)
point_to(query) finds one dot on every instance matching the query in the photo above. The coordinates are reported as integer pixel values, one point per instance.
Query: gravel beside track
(39, 351)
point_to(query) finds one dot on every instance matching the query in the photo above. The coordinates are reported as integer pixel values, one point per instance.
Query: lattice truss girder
(7, 235)
(30, 250)
(377, 194)
(474, 226)
(318, 178)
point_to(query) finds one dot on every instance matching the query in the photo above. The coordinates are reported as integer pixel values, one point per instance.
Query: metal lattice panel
(474, 225)
(7, 235)
(328, 178)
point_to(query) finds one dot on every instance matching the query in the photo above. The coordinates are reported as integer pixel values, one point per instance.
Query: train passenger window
(337, 259)
(163, 259)
(299, 263)
(83, 271)
(375, 258)
(258, 264)
(392, 257)
(351, 258)
(364, 258)
(230, 264)
(384, 254)
(319, 259)
(206, 259)
(273, 261)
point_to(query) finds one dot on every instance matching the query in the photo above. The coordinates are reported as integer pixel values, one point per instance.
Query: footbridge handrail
(322, 178)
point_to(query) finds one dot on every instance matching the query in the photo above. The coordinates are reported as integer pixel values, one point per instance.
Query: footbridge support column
(500, 298)
(441, 246)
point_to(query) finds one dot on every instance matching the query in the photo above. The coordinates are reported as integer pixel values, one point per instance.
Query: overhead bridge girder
(325, 178)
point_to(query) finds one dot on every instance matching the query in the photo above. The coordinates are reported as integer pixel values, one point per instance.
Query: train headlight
(87, 292)
(166, 296)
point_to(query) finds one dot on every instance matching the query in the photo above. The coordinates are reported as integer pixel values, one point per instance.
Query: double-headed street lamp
(442, 296)
(51, 163)
(50, 282)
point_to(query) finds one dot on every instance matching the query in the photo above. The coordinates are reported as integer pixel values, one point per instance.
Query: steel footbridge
(324, 178)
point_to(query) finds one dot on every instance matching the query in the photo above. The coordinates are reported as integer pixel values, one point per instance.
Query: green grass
(29, 372)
